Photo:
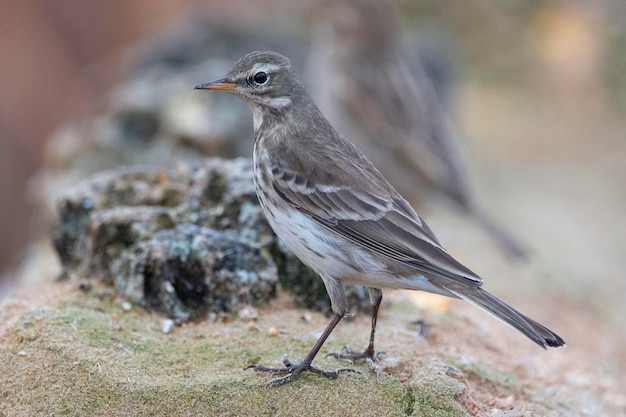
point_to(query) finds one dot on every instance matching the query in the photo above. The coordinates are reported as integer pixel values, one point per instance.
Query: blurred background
(537, 90)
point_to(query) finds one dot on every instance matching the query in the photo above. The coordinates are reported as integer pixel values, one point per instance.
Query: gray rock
(182, 241)
(188, 271)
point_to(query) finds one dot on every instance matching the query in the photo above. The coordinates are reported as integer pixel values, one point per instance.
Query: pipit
(391, 110)
(338, 214)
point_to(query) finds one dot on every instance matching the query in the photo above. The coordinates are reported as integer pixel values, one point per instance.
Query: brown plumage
(338, 214)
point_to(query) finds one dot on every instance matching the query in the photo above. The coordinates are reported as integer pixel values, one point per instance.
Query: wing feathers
(386, 225)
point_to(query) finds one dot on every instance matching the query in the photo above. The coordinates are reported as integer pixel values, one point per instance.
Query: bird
(391, 109)
(338, 214)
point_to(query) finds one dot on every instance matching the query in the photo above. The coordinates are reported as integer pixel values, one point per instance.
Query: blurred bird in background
(391, 107)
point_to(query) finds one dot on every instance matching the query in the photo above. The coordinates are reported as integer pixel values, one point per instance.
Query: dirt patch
(67, 352)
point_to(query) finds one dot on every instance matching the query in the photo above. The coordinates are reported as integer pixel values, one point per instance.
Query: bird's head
(264, 79)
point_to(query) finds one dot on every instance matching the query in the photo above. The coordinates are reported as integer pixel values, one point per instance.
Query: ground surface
(65, 352)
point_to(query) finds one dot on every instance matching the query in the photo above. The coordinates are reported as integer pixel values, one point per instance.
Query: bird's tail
(536, 332)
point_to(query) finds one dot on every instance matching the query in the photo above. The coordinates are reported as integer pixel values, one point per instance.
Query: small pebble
(115, 317)
(126, 306)
(306, 318)
(272, 332)
(167, 326)
(21, 353)
(252, 325)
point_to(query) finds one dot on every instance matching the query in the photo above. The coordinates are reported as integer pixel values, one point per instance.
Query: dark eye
(260, 77)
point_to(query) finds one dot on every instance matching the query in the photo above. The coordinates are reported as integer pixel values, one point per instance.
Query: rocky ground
(66, 352)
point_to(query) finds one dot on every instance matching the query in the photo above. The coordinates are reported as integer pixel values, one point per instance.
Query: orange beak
(221, 85)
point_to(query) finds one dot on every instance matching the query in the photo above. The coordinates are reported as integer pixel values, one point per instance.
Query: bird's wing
(386, 225)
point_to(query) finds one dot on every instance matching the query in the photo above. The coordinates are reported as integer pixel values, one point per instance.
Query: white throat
(274, 103)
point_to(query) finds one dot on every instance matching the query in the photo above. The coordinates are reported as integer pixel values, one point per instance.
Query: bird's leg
(293, 370)
(376, 296)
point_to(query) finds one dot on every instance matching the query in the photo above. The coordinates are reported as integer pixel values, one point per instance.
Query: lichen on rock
(182, 241)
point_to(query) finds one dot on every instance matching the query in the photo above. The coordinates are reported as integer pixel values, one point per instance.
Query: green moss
(486, 372)
(77, 360)
(87, 356)
(432, 393)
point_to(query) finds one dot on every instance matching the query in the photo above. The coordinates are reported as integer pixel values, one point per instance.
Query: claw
(293, 370)
(374, 367)
(352, 355)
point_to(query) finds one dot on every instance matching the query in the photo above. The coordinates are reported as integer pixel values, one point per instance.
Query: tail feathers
(536, 332)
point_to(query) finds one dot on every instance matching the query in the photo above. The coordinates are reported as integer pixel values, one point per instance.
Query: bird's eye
(260, 77)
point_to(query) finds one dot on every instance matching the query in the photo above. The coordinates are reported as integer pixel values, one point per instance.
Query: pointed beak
(221, 84)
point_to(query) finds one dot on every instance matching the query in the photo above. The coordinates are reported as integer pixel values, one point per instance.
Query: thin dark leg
(293, 370)
(369, 352)
(370, 348)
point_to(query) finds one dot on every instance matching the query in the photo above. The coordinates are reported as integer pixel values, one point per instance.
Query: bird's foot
(369, 355)
(293, 370)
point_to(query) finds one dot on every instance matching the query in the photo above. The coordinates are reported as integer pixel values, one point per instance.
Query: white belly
(328, 253)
